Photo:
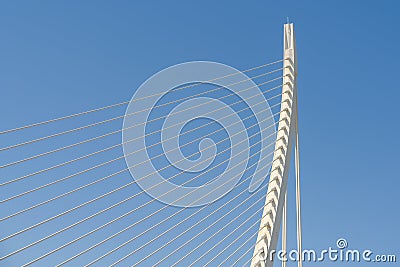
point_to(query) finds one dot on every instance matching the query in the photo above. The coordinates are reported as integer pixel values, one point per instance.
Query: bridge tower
(274, 213)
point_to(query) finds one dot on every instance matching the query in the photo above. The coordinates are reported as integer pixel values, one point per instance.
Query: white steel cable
(298, 191)
(124, 215)
(126, 102)
(243, 243)
(114, 146)
(95, 199)
(149, 229)
(136, 125)
(227, 236)
(247, 251)
(198, 234)
(252, 236)
(85, 219)
(59, 149)
(83, 204)
(113, 160)
(63, 118)
(109, 176)
(254, 224)
(284, 227)
(126, 115)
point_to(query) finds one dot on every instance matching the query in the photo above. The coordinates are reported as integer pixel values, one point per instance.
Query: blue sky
(63, 57)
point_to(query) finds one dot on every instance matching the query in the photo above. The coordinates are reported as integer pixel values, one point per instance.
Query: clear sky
(62, 57)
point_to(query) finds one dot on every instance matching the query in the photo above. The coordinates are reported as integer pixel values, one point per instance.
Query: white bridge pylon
(274, 212)
(69, 198)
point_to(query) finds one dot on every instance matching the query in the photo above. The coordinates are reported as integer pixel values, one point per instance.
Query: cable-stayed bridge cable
(126, 102)
(114, 146)
(228, 235)
(90, 201)
(136, 125)
(141, 220)
(109, 176)
(154, 226)
(53, 234)
(75, 191)
(126, 115)
(208, 227)
(99, 165)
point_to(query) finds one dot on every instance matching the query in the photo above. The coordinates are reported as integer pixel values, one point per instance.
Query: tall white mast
(272, 214)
